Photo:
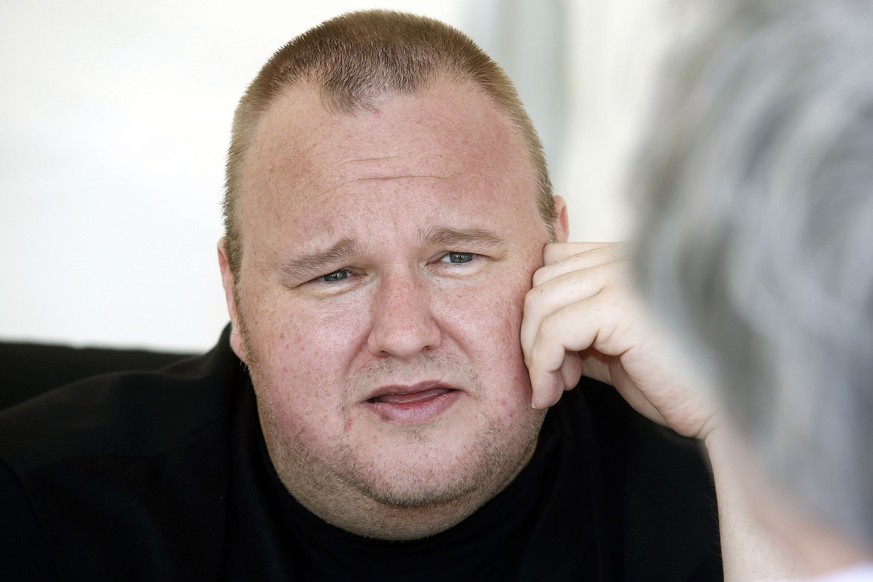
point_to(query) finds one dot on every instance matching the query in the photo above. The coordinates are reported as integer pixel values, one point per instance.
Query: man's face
(385, 257)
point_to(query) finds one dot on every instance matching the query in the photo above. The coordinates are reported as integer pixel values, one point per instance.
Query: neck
(354, 511)
(372, 519)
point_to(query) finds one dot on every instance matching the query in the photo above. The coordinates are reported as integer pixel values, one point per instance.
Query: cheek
(303, 359)
(488, 327)
(306, 343)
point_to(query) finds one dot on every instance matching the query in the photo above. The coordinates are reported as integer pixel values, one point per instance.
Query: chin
(431, 476)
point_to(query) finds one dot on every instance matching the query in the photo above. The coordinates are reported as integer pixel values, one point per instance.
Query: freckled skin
(399, 312)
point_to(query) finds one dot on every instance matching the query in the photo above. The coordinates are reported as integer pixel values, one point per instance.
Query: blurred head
(386, 217)
(755, 242)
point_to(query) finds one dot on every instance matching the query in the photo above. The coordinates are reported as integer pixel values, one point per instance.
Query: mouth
(417, 404)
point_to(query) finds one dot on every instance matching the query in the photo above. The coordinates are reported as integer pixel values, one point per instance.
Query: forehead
(447, 145)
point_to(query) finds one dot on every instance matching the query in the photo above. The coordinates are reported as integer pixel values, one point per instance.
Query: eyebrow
(448, 237)
(309, 263)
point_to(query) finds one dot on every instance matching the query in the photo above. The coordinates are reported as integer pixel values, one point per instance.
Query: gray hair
(755, 186)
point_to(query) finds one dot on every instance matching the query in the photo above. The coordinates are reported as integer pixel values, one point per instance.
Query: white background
(115, 117)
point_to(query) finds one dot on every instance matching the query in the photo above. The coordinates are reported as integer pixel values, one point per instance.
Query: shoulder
(621, 435)
(122, 413)
(24, 554)
(126, 472)
(655, 497)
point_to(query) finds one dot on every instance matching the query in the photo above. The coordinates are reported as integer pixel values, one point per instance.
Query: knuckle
(550, 253)
(531, 299)
(548, 327)
(539, 276)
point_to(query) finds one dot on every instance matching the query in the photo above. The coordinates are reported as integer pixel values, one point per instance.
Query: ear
(562, 223)
(229, 283)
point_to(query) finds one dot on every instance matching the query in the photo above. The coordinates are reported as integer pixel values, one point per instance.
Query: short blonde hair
(359, 56)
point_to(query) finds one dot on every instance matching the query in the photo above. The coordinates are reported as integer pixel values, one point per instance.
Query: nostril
(402, 319)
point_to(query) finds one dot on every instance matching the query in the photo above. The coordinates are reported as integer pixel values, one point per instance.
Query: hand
(582, 317)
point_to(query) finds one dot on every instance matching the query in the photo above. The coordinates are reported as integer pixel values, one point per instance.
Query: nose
(403, 322)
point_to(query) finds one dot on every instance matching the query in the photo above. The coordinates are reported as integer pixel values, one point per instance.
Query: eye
(458, 258)
(335, 277)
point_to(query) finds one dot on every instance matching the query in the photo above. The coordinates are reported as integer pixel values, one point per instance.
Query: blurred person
(756, 246)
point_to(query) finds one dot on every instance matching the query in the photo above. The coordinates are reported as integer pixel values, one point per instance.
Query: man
(387, 209)
(756, 188)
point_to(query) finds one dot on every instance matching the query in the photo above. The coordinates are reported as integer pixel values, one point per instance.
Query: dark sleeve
(24, 554)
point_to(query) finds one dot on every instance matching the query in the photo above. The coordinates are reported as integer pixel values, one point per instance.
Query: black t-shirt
(165, 476)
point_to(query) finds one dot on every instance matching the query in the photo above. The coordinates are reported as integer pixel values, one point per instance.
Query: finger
(556, 252)
(557, 294)
(553, 384)
(595, 365)
(570, 329)
(571, 370)
(549, 388)
(604, 255)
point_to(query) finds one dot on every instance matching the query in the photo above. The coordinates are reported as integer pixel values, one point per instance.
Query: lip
(414, 404)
